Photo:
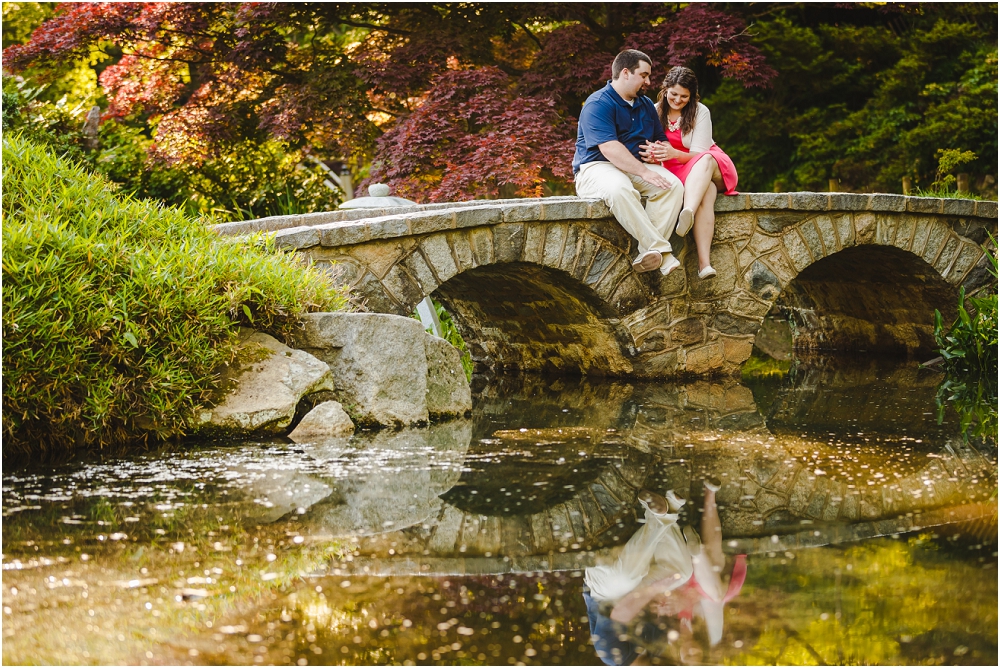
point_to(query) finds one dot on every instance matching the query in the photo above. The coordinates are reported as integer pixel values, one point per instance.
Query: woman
(693, 157)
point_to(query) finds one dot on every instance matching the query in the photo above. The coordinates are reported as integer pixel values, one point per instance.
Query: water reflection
(514, 537)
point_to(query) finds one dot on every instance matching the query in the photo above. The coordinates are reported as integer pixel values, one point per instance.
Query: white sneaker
(647, 261)
(675, 502)
(685, 222)
(713, 484)
(707, 272)
(669, 264)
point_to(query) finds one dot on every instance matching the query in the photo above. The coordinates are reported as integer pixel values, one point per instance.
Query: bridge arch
(564, 265)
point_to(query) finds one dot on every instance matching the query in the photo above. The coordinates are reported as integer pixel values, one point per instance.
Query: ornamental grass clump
(117, 312)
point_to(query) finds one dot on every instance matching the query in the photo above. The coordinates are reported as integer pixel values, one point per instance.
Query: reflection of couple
(623, 154)
(668, 571)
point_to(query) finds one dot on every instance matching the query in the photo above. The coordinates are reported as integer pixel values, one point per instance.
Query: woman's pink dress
(682, 169)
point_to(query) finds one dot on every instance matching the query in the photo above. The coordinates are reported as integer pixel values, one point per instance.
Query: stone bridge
(546, 285)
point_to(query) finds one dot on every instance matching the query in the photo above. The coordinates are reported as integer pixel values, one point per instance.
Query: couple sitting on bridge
(623, 154)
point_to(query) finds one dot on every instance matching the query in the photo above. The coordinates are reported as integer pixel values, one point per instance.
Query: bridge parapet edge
(345, 228)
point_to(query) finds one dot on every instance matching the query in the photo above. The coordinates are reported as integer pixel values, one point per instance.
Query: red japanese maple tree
(443, 101)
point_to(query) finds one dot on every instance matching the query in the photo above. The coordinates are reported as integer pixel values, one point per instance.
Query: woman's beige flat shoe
(685, 222)
(707, 272)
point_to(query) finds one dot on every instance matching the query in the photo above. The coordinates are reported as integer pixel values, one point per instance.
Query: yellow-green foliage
(117, 311)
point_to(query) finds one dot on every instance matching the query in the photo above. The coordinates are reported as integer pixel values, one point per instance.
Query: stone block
(418, 268)
(865, 227)
(655, 340)
(481, 240)
(478, 215)
(734, 226)
(555, 237)
(687, 332)
(656, 364)
(374, 297)
(806, 201)
(334, 235)
(603, 259)
(296, 237)
(796, 250)
(769, 200)
(811, 236)
(724, 203)
(630, 295)
(378, 361)
(936, 237)
(723, 258)
(843, 229)
(947, 255)
(886, 233)
(745, 258)
(776, 222)
(761, 243)
(737, 350)
(986, 209)
(390, 227)
(508, 242)
(586, 247)
(727, 323)
(968, 255)
(403, 287)
(743, 304)
(705, 358)
(534, 243)
(782, 267)
(575, 209)
(571, 248)
(883, 202)
(618, 270)
(598, 209)
(430, 221)
(448, 393)
(923, 204)
(461, 250)
(958, 207)
(437, 252)
(979, 275)
(905, 229)
(522, 211)
(848, 202)
(763, 281)
(380, 256)
(827, 234)
(261, 396)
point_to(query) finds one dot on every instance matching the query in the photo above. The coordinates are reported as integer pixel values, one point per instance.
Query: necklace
(672, 126)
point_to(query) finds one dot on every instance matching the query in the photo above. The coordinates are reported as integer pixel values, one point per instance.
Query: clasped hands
(657, 152)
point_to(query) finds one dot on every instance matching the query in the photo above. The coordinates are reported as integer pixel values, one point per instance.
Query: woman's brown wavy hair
(685, 78)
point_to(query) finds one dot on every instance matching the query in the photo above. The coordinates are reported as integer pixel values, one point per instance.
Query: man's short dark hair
(628, 59)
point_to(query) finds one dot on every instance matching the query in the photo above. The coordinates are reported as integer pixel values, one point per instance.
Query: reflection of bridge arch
(547, 284)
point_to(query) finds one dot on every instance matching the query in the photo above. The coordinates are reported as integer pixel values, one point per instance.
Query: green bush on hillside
(117, 311)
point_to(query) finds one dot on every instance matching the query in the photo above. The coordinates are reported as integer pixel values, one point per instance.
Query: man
(616, 122)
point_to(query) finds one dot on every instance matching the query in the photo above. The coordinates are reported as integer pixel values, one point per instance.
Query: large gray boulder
(259, 394)
(448, 391)
(378, 361)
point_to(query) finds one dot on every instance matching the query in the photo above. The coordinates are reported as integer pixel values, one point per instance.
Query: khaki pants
(651, 226)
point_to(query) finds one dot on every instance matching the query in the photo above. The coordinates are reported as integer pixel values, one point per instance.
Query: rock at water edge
(448, 391)
(263, 394)
(326, 419)
(378, 362)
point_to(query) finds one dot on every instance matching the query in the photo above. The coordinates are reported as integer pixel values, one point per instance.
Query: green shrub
(969, 349)
(117, 311)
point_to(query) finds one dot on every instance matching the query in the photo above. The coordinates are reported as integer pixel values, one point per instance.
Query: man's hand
(622, 158)
(657, 152)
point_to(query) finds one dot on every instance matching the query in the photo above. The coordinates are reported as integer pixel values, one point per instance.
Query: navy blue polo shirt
(607, 117)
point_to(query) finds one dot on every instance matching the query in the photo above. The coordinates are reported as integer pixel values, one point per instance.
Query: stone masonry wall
(547, 285)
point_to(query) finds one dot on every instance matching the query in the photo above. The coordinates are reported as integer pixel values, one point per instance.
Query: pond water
(848, 527)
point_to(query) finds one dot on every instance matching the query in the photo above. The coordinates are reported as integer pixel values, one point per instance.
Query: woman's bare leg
(697, 181)
(711, 531)
(704, 225)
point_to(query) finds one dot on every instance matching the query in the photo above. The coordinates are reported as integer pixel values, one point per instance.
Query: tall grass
(117, 312)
